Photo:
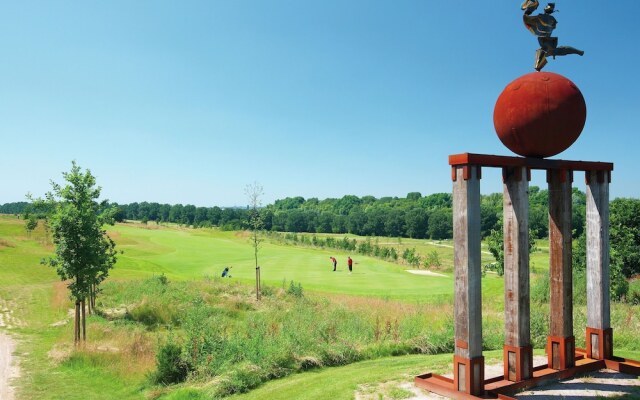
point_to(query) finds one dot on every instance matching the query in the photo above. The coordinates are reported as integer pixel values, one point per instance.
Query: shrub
(170, 367)
(295, 290)
(162, 278)
(432, 260)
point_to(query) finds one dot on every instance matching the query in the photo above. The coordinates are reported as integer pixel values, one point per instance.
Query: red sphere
(539, 114)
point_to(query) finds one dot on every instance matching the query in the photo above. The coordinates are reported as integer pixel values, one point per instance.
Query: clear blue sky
(188, 102)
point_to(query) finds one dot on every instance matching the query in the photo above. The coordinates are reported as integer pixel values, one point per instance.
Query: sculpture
(542, 25)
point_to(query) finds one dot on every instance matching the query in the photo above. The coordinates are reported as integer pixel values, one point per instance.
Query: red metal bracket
(561, 352)
(599, 343)
(468, 374)
(522, 357)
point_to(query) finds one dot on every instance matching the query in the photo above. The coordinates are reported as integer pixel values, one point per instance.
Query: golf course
(314, 331)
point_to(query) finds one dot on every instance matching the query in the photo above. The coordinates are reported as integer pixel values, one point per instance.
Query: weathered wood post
(518, 354)
(560, 342)
(468, 370)
(599, 338)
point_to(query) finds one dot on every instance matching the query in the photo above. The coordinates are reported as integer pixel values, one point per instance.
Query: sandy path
(8, 369)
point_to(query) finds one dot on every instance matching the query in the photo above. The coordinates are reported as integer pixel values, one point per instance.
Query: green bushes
(295, 290)
(171, 368)
(366, 247)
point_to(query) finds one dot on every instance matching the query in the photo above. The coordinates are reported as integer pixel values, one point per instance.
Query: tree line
(414, 216)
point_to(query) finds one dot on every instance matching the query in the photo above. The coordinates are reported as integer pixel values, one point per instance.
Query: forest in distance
(414, 216)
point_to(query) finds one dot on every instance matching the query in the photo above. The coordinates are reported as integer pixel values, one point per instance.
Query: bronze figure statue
(542, 25)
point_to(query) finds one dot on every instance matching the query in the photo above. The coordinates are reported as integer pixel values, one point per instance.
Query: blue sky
(188, 102)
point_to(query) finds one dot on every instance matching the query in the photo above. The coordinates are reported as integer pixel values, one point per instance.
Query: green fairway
(188, 254)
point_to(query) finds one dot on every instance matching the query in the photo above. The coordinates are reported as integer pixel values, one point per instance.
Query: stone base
(518, 363)
(468, 375)
(561, 352)
(599, 343)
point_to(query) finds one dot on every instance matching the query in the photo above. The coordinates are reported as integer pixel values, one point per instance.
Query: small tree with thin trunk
(84, 253)
(254, 194)
(31, 223)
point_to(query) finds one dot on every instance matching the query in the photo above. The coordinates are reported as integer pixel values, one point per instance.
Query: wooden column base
(518, 363)
(561, 352)
(599, 343)
(468, 375)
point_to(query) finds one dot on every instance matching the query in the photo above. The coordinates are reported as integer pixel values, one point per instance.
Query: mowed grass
(193, 253)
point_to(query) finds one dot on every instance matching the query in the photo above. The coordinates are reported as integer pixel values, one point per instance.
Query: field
(166, 276)
(192, 254)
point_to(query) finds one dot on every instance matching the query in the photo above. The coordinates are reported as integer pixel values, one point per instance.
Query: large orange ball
(539, 114)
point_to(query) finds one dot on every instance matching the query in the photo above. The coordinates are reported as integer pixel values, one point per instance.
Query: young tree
(31, 223)
(84, 253)
(254, 194)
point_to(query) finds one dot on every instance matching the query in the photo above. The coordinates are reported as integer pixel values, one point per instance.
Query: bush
(170, 367)
(295, 290)
(163, 280)
(432, 260)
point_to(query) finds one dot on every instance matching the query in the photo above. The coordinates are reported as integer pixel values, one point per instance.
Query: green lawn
(188, 254)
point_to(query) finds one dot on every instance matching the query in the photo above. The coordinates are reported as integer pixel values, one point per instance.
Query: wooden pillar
(599, 340)
(560, 342)
(518, 360)
(468, 370)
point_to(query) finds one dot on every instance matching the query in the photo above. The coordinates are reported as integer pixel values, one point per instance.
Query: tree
(495, 243)
(31, 224)
(441, 224)
(394, 223)
(254, 193)
(414, 196)
(625, 235)
(416, 223)
(618, 285)
(295, 221)
(84, 253)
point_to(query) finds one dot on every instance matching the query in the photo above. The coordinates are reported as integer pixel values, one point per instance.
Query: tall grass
(214, 331)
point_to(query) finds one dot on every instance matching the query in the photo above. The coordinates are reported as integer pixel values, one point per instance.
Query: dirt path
(8, 369)
(8, 363)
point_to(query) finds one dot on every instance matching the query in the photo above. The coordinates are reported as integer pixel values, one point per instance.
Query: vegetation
(495, 243)
(256, 223)
(84, 253)
(218, 332)
(414, 216)
(164, 328)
